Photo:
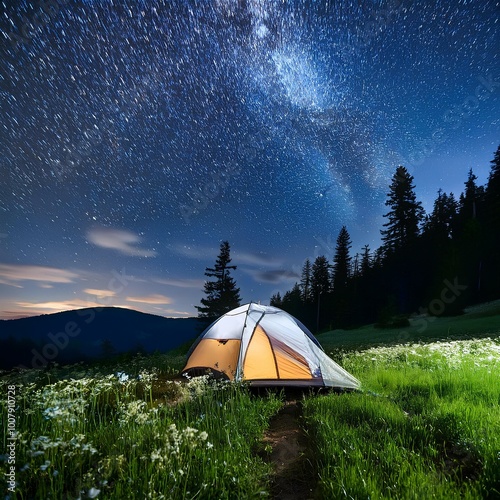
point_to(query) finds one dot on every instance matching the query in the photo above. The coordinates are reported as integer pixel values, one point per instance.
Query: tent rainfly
(265, 346)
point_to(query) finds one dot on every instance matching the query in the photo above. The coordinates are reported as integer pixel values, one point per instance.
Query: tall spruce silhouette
(341, 261)
(341, 300)
(305, 281)
(439, 224)
(222, 295)
(400, 244)
(491, 272)
(405, 212)
(492, 196)
(320, 277)
(365, 260)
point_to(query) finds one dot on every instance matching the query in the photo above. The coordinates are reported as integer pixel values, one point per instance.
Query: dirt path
(293, 477)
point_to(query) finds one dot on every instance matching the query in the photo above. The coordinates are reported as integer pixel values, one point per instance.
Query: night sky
(134, 139)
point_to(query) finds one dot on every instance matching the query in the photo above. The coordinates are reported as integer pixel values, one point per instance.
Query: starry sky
(135, 136)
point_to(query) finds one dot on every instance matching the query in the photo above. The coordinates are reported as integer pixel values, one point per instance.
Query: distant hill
(86, 334)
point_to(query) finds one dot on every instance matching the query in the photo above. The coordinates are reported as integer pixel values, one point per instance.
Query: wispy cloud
(58, 305)
(121, 240)
(12, 274)
(151, 299)
(238, 257)
(256, 259)
(171, 313)
(100, 294)
(187, 283)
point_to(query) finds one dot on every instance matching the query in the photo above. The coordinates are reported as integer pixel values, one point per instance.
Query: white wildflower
(122, 377)
(93, 492)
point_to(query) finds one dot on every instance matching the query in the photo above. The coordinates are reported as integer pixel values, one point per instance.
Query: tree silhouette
(492, 195)
(458, 243)
(320, 281)
(341, 261)
(403, 279)
(471, 198)
(221, 293)
(439, 224)
(491, 283)
(292, 301)
(365, 260)
(439, 259)
(469, 233)
(276, 300)
(305, 281)
(405, 212)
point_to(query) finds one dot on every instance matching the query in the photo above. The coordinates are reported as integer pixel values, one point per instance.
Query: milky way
(164, 127)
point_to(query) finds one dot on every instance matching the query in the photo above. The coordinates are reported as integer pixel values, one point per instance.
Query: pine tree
(365, 260)
(341, 261)
(471, 198)
(439, 223)
(367, 295)
(405, 212)
(305, 281)
(468, 236)
(438, 258)
(292, 301)
(221, 294)
(320, 280)
(378, 258)
(492, 230)
(470, 215)
(276, 300)
(492, 195)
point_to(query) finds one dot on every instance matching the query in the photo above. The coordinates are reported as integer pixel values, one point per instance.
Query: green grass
(136, 435)
(428, 425)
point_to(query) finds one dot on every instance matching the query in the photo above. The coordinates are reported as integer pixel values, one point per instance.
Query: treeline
(433, 263)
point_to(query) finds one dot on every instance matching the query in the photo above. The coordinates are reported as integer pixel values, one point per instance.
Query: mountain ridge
(87, 334)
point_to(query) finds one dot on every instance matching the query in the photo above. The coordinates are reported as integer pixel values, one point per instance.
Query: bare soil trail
(293, 477)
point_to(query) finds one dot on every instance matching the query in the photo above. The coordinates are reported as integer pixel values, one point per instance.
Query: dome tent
(266, 347)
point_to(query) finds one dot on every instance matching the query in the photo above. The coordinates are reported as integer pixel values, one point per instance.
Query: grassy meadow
(136, 434)
(426, 425)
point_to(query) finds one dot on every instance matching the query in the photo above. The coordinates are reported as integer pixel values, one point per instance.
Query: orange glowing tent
(266, 347)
